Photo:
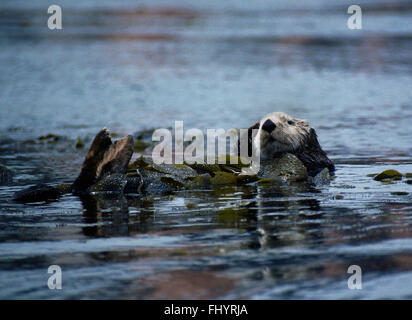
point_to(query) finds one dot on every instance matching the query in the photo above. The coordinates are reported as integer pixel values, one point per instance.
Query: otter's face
(279, 132)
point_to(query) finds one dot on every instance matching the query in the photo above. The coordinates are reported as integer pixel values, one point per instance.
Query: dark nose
(269, 126)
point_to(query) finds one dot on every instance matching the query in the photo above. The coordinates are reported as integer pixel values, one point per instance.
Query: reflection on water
(212, 64)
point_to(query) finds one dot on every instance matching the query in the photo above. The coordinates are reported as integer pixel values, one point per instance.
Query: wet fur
(104, 157)
(301, 141)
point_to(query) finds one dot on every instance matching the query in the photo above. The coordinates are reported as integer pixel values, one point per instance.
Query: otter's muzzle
(269, 126)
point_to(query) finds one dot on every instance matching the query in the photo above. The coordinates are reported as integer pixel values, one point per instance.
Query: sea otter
(278, 133)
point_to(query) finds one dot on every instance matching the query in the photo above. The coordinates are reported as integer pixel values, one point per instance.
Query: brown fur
(104, 157)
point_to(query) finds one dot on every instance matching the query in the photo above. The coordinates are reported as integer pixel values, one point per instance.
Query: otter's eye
(291, 122)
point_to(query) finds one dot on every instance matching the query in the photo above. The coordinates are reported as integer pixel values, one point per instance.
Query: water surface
(132, 66)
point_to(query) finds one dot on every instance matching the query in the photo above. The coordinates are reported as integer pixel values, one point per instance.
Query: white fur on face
(288, 135)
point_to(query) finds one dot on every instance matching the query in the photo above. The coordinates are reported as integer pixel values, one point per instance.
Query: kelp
(201, 175)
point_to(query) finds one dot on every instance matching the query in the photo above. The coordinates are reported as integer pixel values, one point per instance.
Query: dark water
(130, 66)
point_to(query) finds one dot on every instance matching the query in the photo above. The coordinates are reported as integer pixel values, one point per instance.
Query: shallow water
(133, 66)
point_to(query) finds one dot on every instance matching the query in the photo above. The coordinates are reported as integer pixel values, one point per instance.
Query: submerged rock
(388, 174)
(265, 181)
(64, 187)
(221, 178)
(201, 181)
(168, 177)
(79, 143)
(181, 171)
(288, 167)
(6, 175)
(399, 193)
(110, 183)
(322, 177)
(146, 176)
(140, 146)
(38, 193)
(49, 138)
(154, 182)
(134, 185)
(151, 177)
(143, 140)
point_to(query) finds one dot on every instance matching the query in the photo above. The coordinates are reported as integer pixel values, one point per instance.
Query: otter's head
(279, 132)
